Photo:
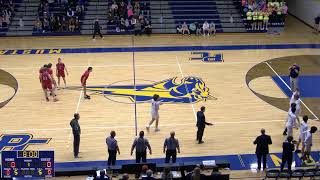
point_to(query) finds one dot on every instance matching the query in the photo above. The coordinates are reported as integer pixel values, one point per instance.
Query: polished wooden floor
(238, 114)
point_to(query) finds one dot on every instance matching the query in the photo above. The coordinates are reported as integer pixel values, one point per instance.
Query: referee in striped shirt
(172, 145)
(141, 144)
(113, 148)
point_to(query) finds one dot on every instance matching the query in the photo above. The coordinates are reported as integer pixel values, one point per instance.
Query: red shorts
(61, 74)
(47, 86)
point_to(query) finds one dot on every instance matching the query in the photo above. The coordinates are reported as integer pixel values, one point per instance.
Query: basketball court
(243, 94)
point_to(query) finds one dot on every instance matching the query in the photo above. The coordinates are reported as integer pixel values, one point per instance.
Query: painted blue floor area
(238, 162)
(157, 49)
(309, 85)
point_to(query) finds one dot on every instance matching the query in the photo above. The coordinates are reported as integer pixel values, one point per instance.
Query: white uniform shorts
(155, 115)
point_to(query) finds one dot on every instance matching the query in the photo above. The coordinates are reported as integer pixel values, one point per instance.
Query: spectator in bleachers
(127, 24)
(129, 12)
(38, 25)
(265, 21)
(149, 175)
(212, 28)
(196, 175)
(185, 28)
(148, 27)
(166, 174)
(144, 170)
(179, 29)
(192, 28)
(122, 25)
(46, 24)
(199, 29)
(70, 13)
(249, 20)
(138, 28)
(72, 24)
(316, 25)
(133, 22)
(205, 28)
(21, 23)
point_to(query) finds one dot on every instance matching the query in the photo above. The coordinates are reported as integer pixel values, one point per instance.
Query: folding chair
(298, 173)
(272, 173)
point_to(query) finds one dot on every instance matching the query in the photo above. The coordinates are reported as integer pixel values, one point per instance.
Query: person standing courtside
(76, 134)
(262, 150)
(294, 74)
(96, 29)
(201, 124)
(287, 153)
(172, 145)
(141, 144)
(113, 148)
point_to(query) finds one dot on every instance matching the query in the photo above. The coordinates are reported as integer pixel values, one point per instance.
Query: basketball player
(46, 82)
(42, 69)
(84, 78)
(302, 136)
(49, 66)
(295, 98)
(291, 121)
(155, 105)
(60, 72)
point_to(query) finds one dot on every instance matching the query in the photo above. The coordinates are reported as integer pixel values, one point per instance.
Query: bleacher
(174, 12)
(7, 8)
(99, 9)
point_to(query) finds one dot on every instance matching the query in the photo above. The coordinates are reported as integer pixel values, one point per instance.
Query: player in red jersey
(84, 78)
(60, 72)
(42, 69)
(46, 82)
(49, 66)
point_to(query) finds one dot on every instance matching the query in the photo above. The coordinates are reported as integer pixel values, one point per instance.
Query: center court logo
(187, 90)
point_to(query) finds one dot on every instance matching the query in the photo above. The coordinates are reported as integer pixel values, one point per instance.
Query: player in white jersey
(302, 135)
(308, 144)
(155, 105)
(291, 121)
(295, 98)
(293, 105)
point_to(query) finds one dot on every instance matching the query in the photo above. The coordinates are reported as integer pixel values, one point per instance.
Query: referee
(172, 145)
(141, 144)
(76, 134)
(113, 148)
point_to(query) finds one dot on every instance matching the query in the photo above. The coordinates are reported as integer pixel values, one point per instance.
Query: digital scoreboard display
(27, 164)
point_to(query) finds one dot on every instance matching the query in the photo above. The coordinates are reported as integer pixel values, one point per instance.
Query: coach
(262, 149)
(76, 134)
(201, 124)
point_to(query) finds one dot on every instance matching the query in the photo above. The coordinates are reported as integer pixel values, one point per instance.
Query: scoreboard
(27, 164)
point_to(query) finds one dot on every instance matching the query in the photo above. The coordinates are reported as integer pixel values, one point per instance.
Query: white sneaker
(156, 130)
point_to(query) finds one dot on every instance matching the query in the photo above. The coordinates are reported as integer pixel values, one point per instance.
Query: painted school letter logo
(187, 90)
(207, 57)
(19, 142)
